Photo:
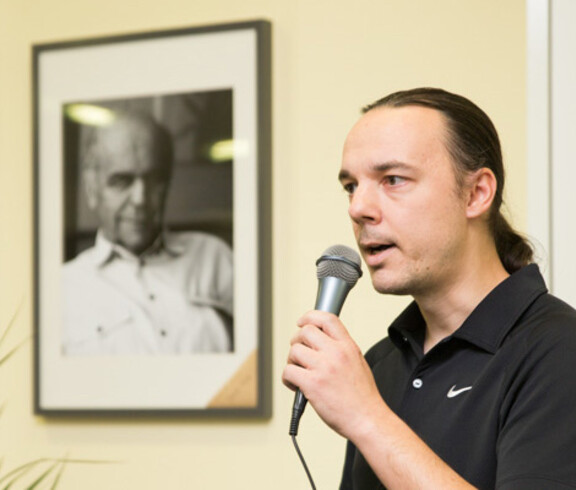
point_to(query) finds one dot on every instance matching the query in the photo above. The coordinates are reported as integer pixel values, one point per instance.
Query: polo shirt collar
(490, 322)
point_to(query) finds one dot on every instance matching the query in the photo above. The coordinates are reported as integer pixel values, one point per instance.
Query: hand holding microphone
(338, 270)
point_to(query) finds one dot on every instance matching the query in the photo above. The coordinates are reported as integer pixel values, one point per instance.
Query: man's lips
(374, 252)
(134, 221)
(375, 249)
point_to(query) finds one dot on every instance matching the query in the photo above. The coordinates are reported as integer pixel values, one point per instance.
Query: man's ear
(90, 176)
(481, 190)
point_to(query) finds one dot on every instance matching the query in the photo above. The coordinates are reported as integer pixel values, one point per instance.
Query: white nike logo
(453, 392)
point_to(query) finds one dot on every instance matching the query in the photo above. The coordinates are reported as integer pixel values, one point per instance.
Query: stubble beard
(406, 282)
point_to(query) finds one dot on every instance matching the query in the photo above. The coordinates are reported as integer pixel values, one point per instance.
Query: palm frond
(11, 322)
(4, 336)
(58, 476)
(12, 476)
(26, 471)
(11, 352)
(46, 474)
(47, 471)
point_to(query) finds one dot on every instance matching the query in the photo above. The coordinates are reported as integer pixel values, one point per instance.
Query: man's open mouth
(374, 249)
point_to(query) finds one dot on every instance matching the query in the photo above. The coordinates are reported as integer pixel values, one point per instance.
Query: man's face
(407, 213)
(127, 186)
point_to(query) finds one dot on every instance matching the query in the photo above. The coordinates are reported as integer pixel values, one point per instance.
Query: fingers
(316, 336)
(328, 323)
(302, 355)
(305, 346)
(311, 336)
(290, 375)
(317, 333)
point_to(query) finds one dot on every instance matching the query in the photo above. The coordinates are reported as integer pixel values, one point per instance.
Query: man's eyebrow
(378, 168)
(392, 165)
(343, 175)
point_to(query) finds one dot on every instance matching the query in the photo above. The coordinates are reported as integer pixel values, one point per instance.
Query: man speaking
(474, 385)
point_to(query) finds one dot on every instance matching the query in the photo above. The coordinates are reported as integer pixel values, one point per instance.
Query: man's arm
(330, 370)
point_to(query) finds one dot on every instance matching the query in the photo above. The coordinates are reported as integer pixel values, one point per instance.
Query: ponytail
(514, 250)
(473, 143)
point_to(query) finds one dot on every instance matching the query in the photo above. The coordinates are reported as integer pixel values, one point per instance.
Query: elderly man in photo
(141, 289)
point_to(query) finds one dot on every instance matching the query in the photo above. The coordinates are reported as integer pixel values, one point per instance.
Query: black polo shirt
(497, 399)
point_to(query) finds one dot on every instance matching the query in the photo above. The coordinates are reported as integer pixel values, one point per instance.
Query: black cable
(297, 411)
(303, 463)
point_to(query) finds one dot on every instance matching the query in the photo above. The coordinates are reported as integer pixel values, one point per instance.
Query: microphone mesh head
(339, 261)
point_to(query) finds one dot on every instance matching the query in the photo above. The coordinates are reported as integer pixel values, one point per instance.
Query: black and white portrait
(148, 221)
(152, 230)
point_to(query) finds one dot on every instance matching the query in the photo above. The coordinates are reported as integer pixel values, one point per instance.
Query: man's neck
(109, 247)
(446, 308)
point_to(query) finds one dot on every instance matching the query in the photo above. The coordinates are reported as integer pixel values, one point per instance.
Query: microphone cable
(298, 407)
(303, 461)
(337, 270)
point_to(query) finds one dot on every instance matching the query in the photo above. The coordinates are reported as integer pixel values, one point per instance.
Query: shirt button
(417, 383)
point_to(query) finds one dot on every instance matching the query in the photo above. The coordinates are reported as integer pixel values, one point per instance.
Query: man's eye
(120, 181)
(349, 188)
(394, 180)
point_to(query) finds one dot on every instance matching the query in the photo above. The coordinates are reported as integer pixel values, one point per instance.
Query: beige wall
(329, 58)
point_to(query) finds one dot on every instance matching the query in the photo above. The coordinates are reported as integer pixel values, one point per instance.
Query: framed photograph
(152, 223)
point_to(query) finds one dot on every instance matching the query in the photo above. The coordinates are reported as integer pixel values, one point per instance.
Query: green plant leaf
(24, 470)
(45, 475)
(12, 476)
(58, 476)
(11, 322)
(4, 335)
(53, 473)
(10, 353)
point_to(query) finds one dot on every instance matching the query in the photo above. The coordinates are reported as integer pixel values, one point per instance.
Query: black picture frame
(228, 66)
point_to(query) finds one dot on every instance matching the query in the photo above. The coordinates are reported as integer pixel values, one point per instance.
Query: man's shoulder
(82, 263)
(80, 275)
(550, 313)
(546, 330)
(195, 241)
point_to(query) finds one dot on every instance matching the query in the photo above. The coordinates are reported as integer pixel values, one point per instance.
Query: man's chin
(394, 291)
(390, 286)
(138, 243)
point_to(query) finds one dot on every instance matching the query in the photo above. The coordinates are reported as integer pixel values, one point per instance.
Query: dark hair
(473, 144)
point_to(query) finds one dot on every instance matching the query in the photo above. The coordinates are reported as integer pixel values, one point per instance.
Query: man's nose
(365, 205)
(138, 192)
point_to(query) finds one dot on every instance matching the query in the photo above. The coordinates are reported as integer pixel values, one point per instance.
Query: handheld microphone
(338, 270)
